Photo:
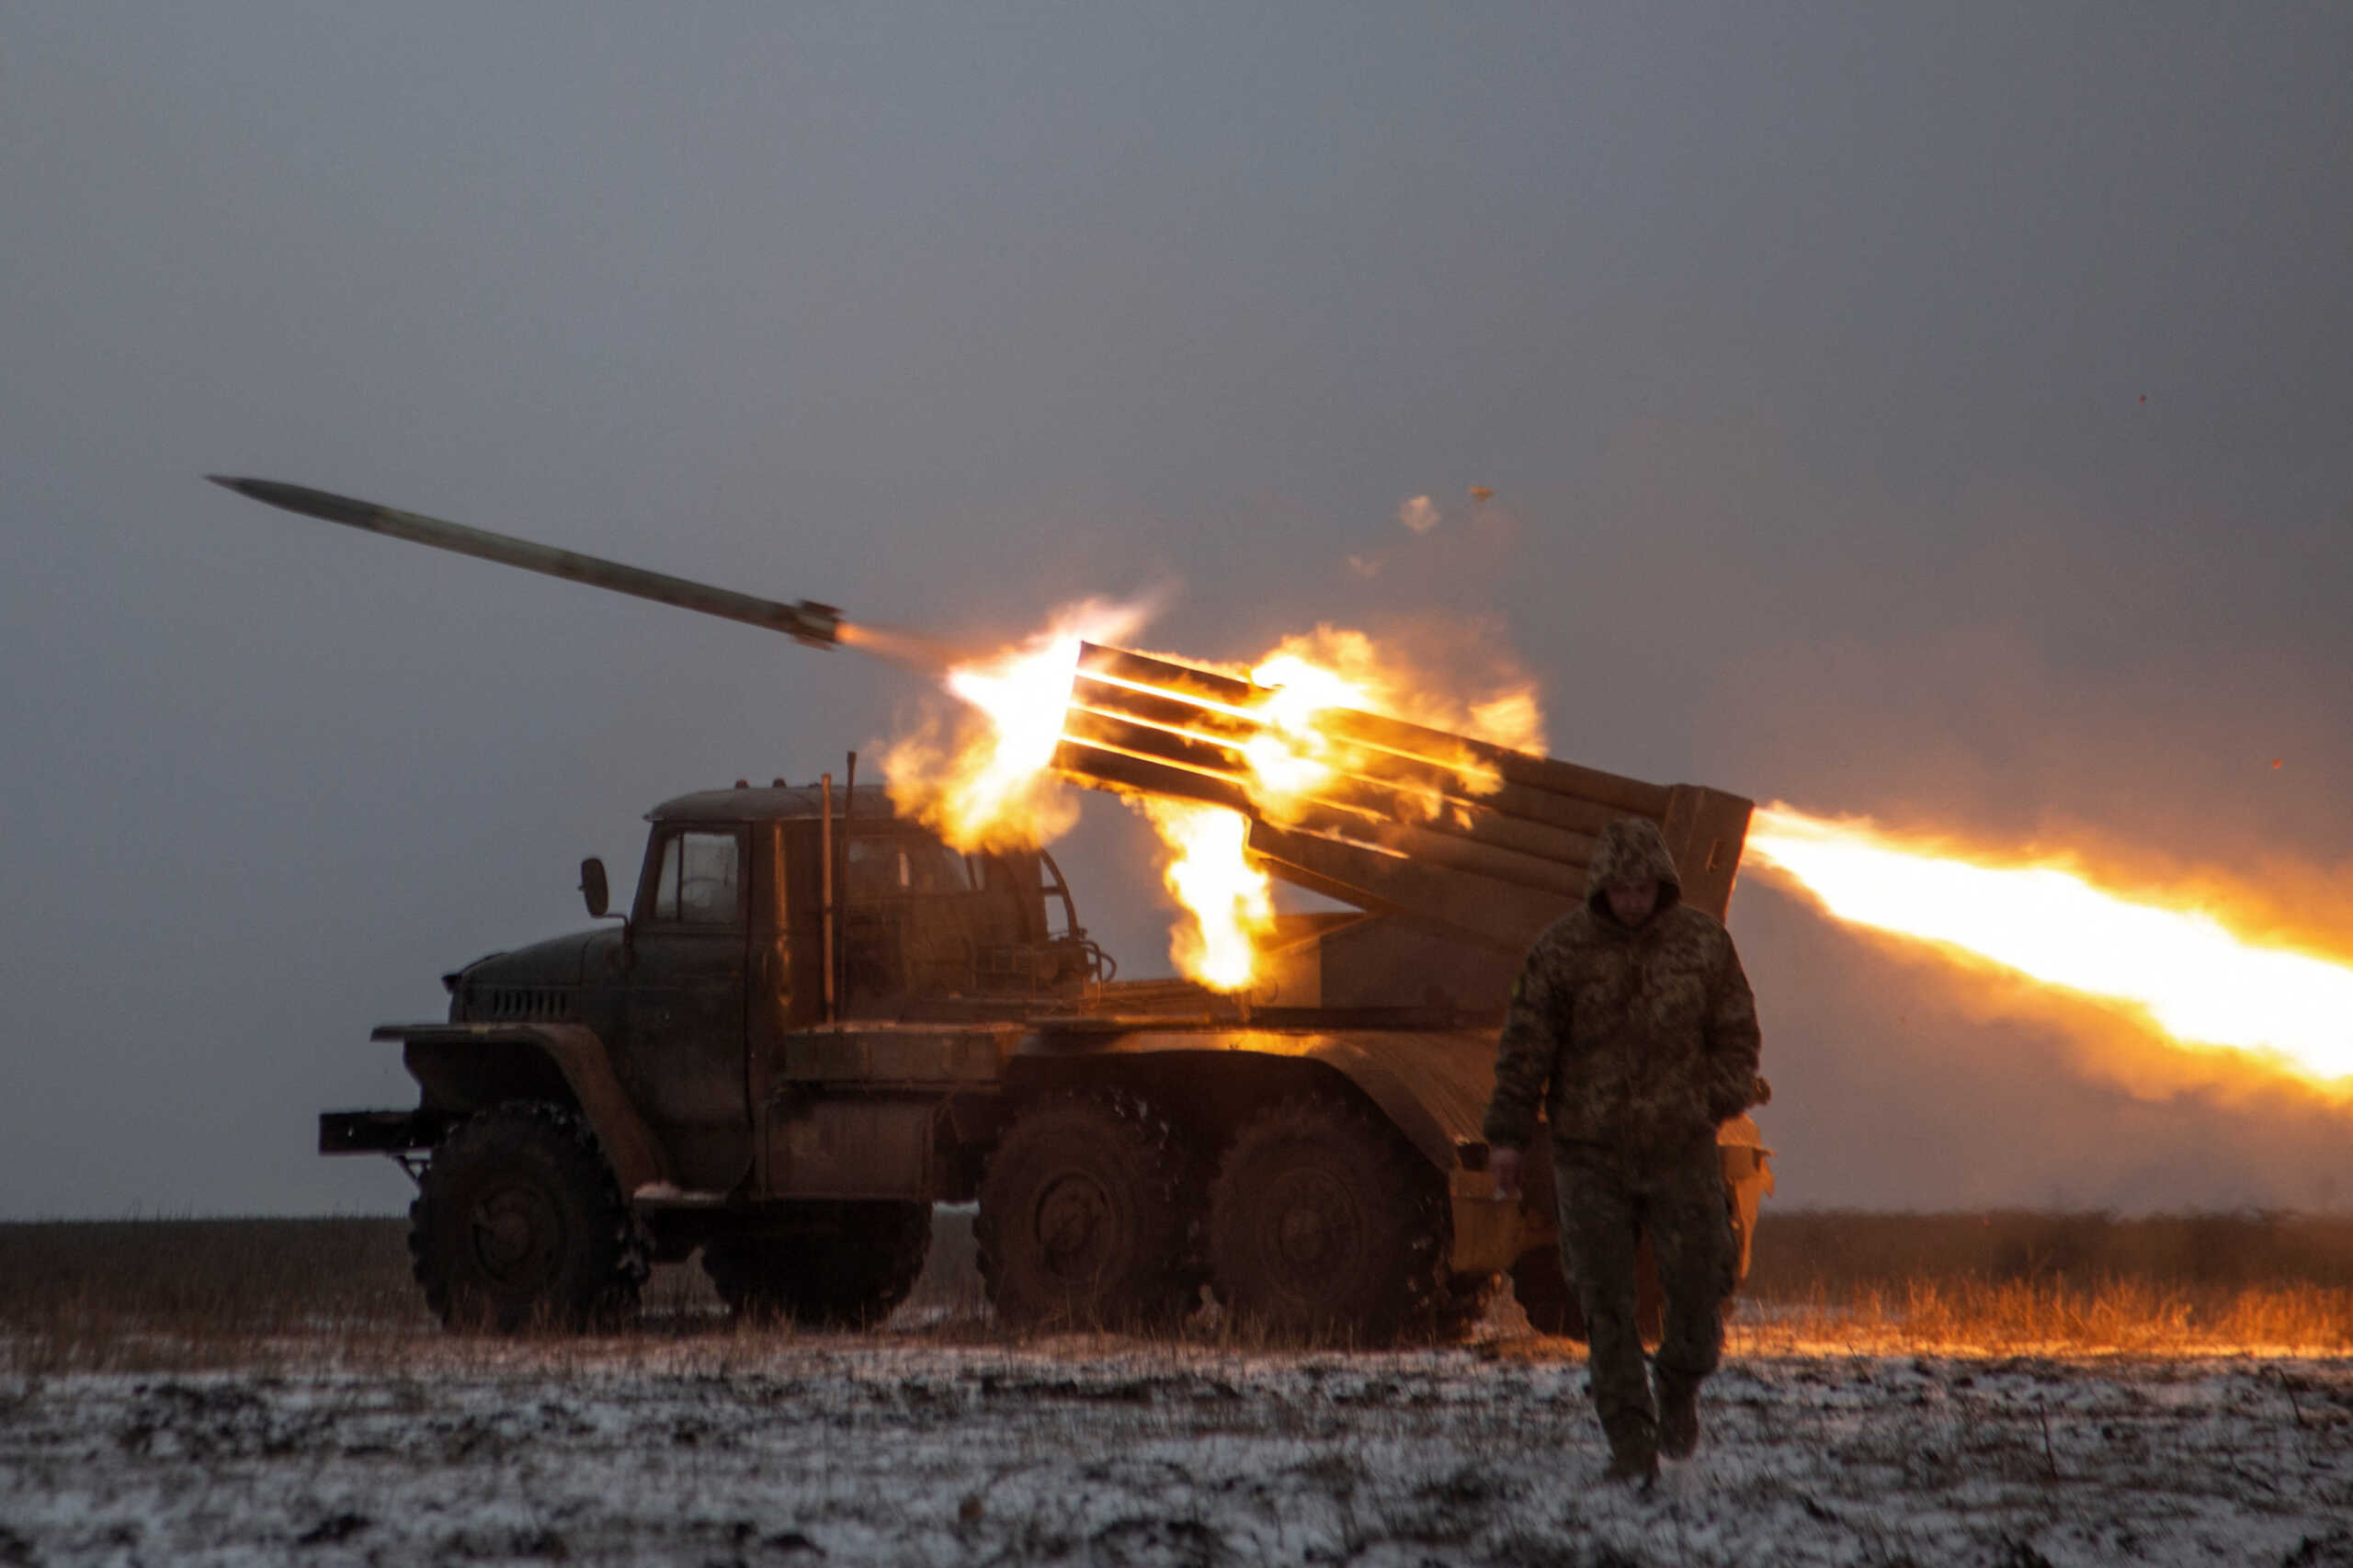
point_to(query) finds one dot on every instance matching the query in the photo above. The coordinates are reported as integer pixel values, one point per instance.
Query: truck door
(687, 1039)
(771, 1007)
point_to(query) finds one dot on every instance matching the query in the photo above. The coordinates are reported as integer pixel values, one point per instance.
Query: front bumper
(378, 1131)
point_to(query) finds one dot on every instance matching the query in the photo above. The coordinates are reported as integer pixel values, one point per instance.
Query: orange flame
(990, 786)
(1337, 667)
(1230, 901)
(2198, 982)
(1360, 672)
(1227, 900)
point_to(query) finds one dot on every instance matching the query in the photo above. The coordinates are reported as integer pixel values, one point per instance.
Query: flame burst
(1293, 760)
(988, 786)
(2192, 977)
(991, 785)
(1231, 903)
(1344, 669)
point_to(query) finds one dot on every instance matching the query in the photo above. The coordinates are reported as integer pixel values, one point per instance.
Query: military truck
(815, 1020)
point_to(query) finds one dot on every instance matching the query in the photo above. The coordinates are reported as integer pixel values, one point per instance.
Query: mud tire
(518, 1224)
(850, 1270)
(1326, 1225)
(1087, 1219)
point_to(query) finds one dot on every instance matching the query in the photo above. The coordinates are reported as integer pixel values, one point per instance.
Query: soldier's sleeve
(1528, 1052)
(1732, 1040)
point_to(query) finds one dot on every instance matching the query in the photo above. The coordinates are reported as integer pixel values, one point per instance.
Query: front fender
(471, 1067)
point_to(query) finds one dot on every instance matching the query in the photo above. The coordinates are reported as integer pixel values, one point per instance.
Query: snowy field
(911, 1447)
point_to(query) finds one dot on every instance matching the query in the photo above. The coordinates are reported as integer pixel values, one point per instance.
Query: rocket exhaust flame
(1230, 900)
(1297, 756)
(910, 650)
(990, 786)
(1202, 753)
(2195, 980)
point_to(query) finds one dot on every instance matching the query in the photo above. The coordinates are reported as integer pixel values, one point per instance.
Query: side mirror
(593, 887)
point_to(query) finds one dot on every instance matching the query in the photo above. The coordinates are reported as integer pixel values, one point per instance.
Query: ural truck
(815, 1020)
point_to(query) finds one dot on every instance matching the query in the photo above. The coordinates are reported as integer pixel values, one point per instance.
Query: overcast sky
(1937, 413)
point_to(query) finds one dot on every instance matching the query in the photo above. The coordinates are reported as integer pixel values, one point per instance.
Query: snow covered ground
(910, 1448)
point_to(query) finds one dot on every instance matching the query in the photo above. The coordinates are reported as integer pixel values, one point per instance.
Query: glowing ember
(1229, 900)
(2197, 980)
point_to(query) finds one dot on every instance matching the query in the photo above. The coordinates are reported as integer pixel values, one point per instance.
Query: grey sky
(1937, 413)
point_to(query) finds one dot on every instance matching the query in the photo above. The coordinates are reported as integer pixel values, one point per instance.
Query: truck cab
(691, 1042)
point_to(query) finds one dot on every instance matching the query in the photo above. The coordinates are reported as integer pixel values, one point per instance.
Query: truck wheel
(853, 1274)
(1085, 1218)
(1323, 1223)
(519, 1223)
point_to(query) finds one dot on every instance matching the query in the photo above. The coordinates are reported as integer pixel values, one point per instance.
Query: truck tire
(1085, 1218)
(518, 1224)
(851, 1273)
(1326, 1224)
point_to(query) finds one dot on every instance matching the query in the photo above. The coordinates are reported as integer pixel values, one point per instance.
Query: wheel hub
(1315, 1226)
(1073, 1224)
(514, 1229)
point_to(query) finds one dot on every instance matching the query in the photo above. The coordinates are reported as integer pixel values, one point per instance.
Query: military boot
(1633, 1451)
(1678, 1413)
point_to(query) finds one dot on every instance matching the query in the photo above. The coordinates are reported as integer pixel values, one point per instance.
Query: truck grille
(544, 1003)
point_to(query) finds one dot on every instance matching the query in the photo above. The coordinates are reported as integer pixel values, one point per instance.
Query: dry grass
(152, 1294)
(128, 1294)
(2015, 1282)
(142, 1295)
(1837, 1250)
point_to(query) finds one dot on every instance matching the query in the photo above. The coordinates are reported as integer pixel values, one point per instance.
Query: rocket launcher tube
(1394, 828)
(818, 625)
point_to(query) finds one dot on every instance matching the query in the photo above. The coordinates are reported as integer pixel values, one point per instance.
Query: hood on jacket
(1631, 849)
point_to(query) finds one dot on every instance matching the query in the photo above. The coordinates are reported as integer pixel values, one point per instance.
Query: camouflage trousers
(1608, 1201)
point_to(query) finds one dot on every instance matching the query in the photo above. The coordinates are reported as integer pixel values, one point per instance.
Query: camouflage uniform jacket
(1639, 1038)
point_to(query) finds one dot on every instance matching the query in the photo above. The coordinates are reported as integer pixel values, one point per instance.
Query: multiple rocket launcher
(1457, 836)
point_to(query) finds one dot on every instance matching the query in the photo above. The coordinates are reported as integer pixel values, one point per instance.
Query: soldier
(1633, 1027)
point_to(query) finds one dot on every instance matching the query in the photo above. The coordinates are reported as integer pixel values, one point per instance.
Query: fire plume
(1229, 900)
(2195, 980)
(1285, 742)
(988, 785)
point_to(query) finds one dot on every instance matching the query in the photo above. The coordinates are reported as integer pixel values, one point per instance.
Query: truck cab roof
(773, 802)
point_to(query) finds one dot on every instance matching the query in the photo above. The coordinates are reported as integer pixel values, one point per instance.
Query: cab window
(701, 880)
